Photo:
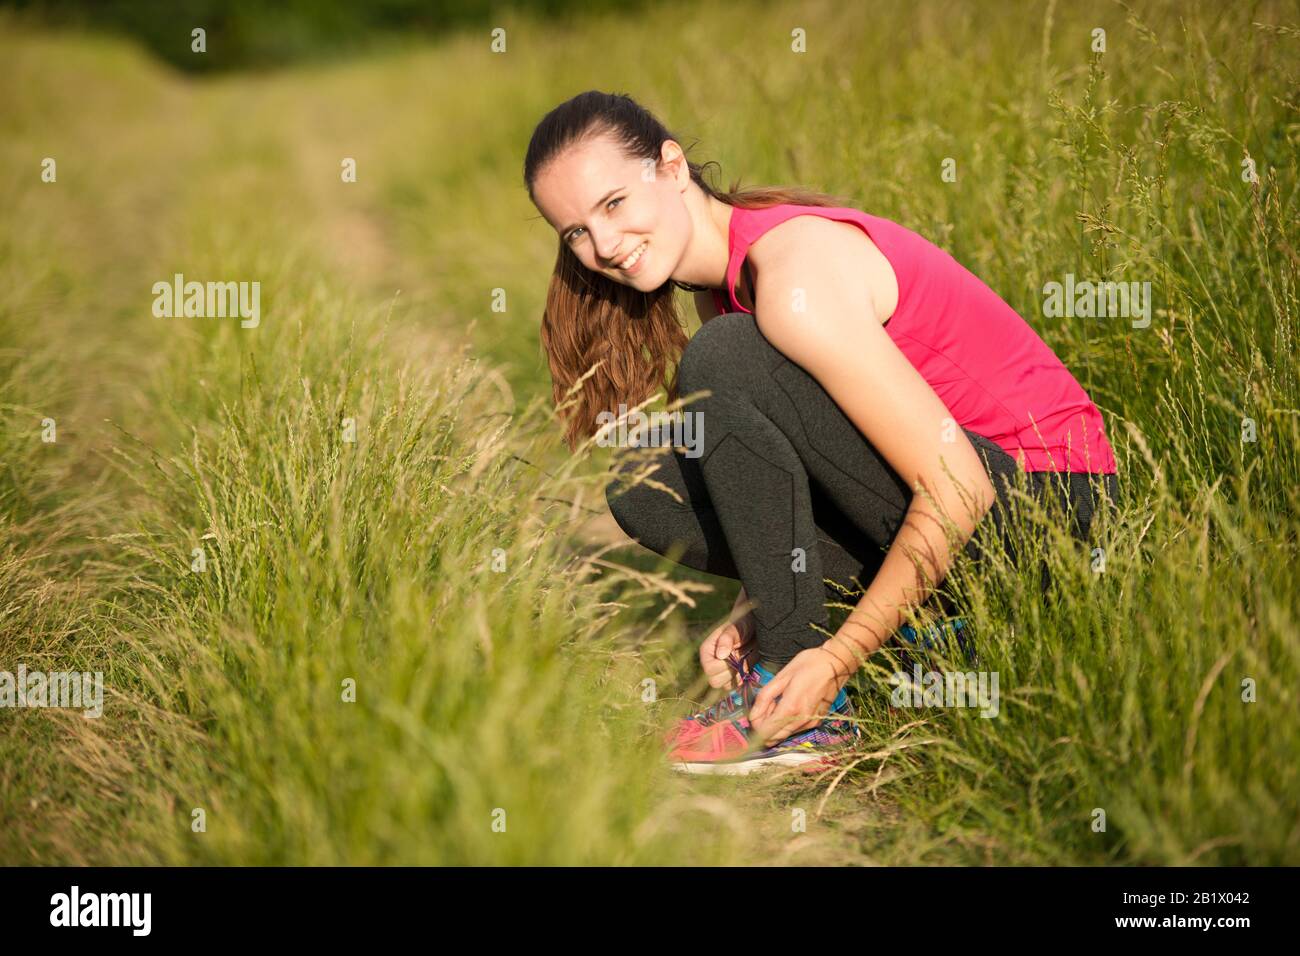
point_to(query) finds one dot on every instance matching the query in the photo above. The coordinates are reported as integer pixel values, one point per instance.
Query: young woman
(864, 393)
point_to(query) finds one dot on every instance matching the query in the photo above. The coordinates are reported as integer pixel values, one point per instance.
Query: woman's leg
(774, 445)
(688, 530)
(1082, 492)
(1074, 497)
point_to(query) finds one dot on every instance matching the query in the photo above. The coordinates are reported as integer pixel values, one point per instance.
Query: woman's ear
(674, 162)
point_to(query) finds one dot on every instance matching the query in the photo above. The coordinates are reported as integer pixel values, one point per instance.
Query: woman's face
(607, 207)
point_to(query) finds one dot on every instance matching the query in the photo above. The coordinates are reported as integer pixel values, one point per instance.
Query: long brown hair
(589, 318)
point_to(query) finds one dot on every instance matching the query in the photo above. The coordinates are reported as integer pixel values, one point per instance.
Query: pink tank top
(986, 363)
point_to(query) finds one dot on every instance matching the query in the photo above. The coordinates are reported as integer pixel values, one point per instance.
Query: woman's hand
(807, 687)
(731, 638)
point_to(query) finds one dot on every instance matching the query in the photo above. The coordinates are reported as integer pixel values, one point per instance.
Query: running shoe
(738, 701)
(725, 747)
(717, 740)
(936, 637)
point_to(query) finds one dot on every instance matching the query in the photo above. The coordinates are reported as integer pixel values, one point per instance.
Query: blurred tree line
(269, 33)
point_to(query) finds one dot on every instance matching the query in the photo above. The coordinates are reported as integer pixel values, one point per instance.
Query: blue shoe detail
(935, 637)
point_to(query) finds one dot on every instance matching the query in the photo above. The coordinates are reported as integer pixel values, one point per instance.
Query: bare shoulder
(843, 245)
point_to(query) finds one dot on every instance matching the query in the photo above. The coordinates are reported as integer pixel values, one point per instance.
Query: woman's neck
(712, 251)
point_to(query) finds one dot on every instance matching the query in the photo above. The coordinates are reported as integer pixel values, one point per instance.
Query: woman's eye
(573, 235)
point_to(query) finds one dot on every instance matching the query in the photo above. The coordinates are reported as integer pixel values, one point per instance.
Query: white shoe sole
(742, 767)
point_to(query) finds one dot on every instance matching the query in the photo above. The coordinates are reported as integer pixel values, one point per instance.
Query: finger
(784, 713)
(706, 650)
(765, 702)
(768, 731)
(728, 641)
(720, 674)
(709, 646)
(774, 729)
(783, 724)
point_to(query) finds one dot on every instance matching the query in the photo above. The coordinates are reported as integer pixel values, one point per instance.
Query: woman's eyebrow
(599, 202)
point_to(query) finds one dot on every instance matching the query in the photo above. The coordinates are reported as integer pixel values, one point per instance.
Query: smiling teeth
(632, 260)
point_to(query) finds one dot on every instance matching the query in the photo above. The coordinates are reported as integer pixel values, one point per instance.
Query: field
(354, 603)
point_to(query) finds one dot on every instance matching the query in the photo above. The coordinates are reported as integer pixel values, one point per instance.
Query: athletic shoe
(725, 747)
(717, 740)
(738, 701)
(752, 680)
(936, 636)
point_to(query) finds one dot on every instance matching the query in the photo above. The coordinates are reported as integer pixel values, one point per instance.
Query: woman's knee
(717, 349)
(623, 501)
(639, 509)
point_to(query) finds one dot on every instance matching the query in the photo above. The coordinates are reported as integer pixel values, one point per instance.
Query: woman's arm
(836, 336)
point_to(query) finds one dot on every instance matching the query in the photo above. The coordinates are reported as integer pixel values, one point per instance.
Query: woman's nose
(605, 246)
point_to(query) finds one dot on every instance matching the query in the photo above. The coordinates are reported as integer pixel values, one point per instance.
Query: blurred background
(246, 34)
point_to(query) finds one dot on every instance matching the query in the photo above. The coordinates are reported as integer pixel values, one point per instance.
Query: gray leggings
(781, 467)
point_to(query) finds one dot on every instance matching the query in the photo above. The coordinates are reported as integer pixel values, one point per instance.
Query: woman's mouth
(632, 263)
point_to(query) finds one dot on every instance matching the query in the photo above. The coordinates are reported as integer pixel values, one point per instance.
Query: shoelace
(737, 699)
(742, 696)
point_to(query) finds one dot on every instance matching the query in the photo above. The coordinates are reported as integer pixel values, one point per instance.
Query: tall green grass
(329, 565)
(522, 689)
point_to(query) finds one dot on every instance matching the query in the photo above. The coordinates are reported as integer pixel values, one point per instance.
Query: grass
(435, 567)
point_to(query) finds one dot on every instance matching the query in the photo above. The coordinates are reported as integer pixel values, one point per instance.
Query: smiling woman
(612, 181)
(866, 410)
